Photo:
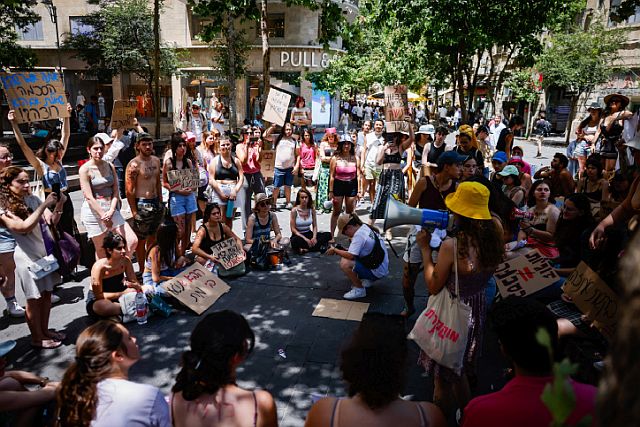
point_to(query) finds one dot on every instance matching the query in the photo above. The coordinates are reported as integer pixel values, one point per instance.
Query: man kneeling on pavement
(366, 260)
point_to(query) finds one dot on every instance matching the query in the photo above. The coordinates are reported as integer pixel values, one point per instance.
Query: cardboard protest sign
(396, 106)
(524, 275)
(340, 309)
(275, 111)
(35, 95)
(267, 163)
(594, 298)
(123, 114)
(196, 287)
(180, 179)
(228, 253)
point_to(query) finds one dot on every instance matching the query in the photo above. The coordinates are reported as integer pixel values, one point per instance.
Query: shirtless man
(144, 194)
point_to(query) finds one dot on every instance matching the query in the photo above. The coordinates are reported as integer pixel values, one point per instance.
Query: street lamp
(53, 14)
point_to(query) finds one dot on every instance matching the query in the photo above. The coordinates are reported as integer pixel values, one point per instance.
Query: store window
(78, 26)
(32, 32)
(275, 25)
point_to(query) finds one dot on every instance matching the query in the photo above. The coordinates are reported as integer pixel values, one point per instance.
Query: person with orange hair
(467, 145)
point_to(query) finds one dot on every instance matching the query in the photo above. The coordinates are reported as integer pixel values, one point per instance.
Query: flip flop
(46, 345)
(56, 336)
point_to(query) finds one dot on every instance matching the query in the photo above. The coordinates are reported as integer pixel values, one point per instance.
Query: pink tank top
(307, 156)
(252, 166)
(346, 173)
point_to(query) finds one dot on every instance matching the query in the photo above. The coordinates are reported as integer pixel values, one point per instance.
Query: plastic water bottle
(141, 308)
(230, 204)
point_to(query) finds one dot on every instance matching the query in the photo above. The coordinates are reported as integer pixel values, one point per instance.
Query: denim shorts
(363, 272)
(181, 205)
(282, 177)
(7, 242)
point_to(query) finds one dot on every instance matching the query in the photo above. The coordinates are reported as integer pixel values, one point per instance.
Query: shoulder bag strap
(455, 265)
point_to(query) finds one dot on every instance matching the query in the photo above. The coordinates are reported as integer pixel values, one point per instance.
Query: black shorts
(345, 188)
(201, 193)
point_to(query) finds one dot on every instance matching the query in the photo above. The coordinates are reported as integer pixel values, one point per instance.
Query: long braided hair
(78, 392)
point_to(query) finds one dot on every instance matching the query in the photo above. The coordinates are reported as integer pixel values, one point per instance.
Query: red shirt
(519, 404)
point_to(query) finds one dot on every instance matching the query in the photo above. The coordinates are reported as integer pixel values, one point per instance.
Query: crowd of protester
(501, 209)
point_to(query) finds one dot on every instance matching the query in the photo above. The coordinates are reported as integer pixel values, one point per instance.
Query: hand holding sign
(35, 95)
(228, 253)
(123, 115)
(524, 275)
(275, 111)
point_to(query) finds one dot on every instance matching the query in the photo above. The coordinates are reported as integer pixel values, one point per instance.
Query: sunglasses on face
(263, 204)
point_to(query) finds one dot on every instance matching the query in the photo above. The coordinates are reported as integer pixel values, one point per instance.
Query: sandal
(56, 336)
(46, 345)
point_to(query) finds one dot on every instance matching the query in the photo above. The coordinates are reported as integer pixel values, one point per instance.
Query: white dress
(30, 248)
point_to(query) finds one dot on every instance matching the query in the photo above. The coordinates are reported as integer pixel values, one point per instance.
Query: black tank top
(207, 242)
(113, 284)
(394, 158)
(223, 174)
(435, 152)
(417, 154)
(501, 145)
(432, 198)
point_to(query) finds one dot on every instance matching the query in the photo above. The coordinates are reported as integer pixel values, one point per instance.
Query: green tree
(580, 70)
(122, 41)
(524, 87)
(16, 13)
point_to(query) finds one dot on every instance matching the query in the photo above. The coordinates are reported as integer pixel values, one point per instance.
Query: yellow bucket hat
(470, 200)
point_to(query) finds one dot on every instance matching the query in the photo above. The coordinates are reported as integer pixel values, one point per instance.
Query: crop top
(230, 173)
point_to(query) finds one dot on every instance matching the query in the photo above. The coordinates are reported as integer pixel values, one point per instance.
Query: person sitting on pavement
(212, 231)
(22, 406)
(260, 225)
(163, 262)
(539, 231)
(205, 392)
(511, 185)
(469, 168)
(498, 162)
(366, 260)
(470, 258)
(517, 322)
(304, 226)
(111, 277)
(374, 399)
(593, 184)
(525, 178)
(96, 390)
(517, 151)
(23, 213)
(560, 180)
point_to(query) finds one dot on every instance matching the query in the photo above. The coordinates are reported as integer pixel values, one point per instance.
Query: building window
(275, 25)
(30, 33)
(197, 25)
(78, 26)
(633, 19)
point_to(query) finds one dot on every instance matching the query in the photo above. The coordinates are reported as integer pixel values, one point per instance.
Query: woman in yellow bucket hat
(479, 251)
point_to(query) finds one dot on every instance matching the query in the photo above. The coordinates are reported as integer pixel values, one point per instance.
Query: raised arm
(28, 153)
(66, 130)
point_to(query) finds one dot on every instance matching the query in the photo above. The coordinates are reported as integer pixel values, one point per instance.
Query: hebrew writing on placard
(228, 253)
(123, 114)
(196, 287)
(35, 95)
(181, 179)
(524, 275)
(275, 111)
(396, 107)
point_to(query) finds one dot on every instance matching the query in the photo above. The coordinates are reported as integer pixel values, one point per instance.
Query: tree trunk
(266, 51)
(528, 125)
(156, 66)
(572, 115)
(231, 72)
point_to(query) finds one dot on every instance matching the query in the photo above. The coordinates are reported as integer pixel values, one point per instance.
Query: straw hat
(470, 200)
(623, 99)
(344, 219)
(260, 197)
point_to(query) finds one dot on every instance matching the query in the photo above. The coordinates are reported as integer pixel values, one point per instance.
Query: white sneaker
(367, 283)
(54, 299)
(14, 309)
(355, 293)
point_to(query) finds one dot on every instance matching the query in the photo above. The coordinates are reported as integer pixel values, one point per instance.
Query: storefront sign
(35, 95)
(304, 59)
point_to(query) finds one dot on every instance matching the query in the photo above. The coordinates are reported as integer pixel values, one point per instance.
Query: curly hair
(373, 363)
(78, 394)
(9, 200)
(484, 237)
(215, 341)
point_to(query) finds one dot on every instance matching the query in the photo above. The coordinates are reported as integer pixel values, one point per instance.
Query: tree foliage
(122, 42)
(523, 85)
(623, 10)
(15, 13)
